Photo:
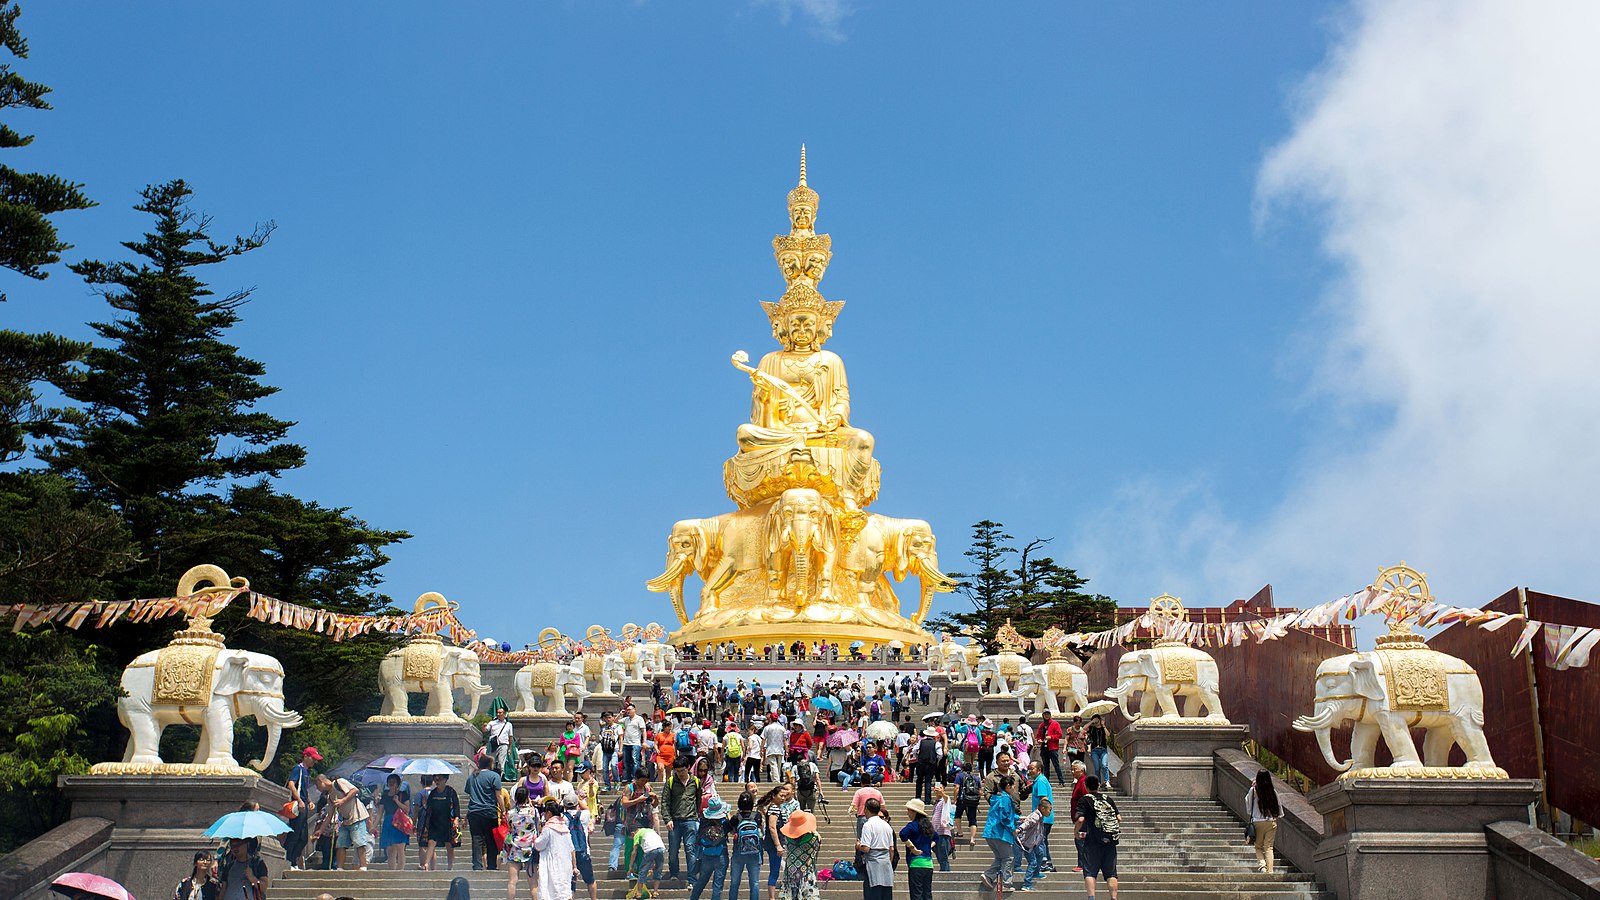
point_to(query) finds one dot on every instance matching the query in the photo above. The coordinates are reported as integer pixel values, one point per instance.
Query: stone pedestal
(454, 742)
(1163, 759)
(535, 731)
(999, 708)
(158, 821)
(1416, 838)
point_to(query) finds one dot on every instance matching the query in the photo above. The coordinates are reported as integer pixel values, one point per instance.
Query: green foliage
(170, 404)
(323, 729)
(1035, 594)
(53, 684)
(56, 544)
(28, 239)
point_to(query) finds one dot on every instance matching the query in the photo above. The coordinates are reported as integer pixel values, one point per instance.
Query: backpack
(967, 790)
(806, 779)
(735, 747)
(1106, 818)
(683, 743)
(613, 816)
(608, 741)
(747, 838)
(711, 836)
(988, 738)
(844, 871)
(580, 837)
(971, 740)
(927, 751)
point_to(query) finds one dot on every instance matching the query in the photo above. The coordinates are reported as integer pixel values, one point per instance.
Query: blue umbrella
(247, 824)
(372, 776)
(429, 767)
(828, 703)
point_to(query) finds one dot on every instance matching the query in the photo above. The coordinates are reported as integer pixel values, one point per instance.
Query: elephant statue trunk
(1121, 692)
(476, 691)
(1321, 724)
(270, 712)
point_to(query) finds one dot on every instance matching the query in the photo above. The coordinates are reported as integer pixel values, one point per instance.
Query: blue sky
(1117, 276)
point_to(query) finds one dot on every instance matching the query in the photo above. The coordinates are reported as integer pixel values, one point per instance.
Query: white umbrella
(882, 730)
(1097, 708)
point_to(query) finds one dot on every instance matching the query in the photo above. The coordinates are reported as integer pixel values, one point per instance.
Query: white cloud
(1452, 153)
(825, 16)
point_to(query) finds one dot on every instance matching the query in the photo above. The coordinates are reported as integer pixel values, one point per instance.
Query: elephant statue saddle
(542, 675)
(1416, 679)
(1060, 679)
(186, 668)
(593, 664)
(184, 675)
(1178, 665)
(422, 659)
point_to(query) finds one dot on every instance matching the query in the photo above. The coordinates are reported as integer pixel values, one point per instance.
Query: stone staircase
(1171, 849)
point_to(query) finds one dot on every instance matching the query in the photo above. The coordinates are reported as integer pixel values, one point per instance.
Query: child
(589, 790)
(650, 854)
(801, 844)
(1029, 836)
(712, 843)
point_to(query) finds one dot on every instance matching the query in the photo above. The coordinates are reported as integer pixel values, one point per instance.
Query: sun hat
(915, 805)
(930, 732)
(799, 825)
(972, 719)
(716, 809)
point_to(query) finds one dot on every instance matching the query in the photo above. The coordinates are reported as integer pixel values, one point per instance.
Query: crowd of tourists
(722, 783)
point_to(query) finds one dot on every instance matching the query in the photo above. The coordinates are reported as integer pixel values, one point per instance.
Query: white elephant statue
(425, 665)
(950, 659)
(543, 687)
(997, 673)
(1387, 692)
(1049, 681)
(1163, 673)
(603, 673)
(657, 658)
(191, 683)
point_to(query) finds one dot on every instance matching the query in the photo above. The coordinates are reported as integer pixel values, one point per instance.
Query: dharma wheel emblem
(1167, 606)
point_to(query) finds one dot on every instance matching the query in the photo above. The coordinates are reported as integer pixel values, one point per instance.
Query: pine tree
(28, 244)
(169, 403)
(28, 239)
(991, 587)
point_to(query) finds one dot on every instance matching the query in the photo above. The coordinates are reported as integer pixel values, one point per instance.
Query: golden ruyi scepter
(741, 361)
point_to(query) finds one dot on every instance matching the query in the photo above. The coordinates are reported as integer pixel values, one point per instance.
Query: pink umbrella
(82, 885)
(844, 737)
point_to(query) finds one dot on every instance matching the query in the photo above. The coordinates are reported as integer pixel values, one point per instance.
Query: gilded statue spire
(803, 257)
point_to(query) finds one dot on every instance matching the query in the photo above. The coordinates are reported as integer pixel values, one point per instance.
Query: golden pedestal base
(759, 634)
(1454, 773)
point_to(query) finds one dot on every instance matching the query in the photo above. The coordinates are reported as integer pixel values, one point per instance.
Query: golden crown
(802, 297)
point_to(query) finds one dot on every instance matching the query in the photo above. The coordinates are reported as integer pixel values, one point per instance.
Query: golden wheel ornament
(550, 639)
(1167, 606)
(1406, 587)
(631, 632)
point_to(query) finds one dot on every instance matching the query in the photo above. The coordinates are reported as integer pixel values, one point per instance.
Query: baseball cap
(312, 752)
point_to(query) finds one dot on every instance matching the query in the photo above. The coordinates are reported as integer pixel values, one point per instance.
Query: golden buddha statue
(801, 557)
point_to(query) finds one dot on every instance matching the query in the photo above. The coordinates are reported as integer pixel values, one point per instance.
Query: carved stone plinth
(537, 730)
(158, 821)
(1174, 760)
(454, 742)
(997, 707)
(1421, 839)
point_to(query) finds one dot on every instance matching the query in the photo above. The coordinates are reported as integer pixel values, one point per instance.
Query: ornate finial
(1167, 606)
(802, 165)
(218, 586)
(1408, 591)
(803, 203)
(1010, 639)
(1054, 641)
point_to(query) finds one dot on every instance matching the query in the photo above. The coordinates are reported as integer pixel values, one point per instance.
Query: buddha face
(802, 330)
(789, 264)
(802, 216)
(816, 264)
